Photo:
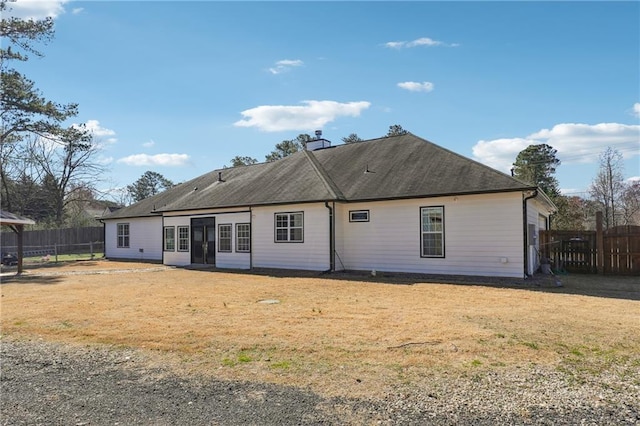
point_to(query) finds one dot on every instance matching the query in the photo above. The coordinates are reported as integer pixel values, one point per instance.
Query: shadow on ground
(31, 279)
(610, 286)
(616, 287)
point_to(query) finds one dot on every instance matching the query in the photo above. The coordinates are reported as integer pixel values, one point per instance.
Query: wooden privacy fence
(65, 239)
(622, 250)
(571, 251)
(613, 251)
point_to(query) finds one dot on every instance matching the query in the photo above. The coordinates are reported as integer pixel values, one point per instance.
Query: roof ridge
(324, 176)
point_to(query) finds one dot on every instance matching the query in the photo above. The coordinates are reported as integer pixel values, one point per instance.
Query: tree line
(609, 192)
(288, 147)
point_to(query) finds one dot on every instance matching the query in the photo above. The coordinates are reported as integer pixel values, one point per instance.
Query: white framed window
(289, 227)
(183, 238)
(432, 231)
(123, 235)
(224, 237)
(358, 215)
(243, 237)
(169, 238)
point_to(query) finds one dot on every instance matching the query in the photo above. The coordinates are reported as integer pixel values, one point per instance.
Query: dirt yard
(335, 334)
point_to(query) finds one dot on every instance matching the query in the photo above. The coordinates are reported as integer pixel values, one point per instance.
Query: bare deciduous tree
(608, 186)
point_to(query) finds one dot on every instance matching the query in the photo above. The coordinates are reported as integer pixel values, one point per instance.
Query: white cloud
(105, 160)
(285, 65)
(77, 10)
(36, 9)
(575, 143)
(500, 153)
(395, 44)
(583, 143)
(633, 179)
(169, 160)
(149, 144)
(423, 41)
(94, 127)
(414, 86)
(101, 134)
(636, 109)
(312, 115)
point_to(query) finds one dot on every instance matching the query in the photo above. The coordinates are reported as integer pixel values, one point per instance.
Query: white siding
(177, 258)
(233, 260)
(312, 254)
(483, 236)
(145, 239)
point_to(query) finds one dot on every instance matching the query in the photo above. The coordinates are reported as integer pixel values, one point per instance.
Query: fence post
(55, 251)
(91, 248)
(599, 244)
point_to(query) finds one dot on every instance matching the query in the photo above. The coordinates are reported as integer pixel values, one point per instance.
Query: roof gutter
(251, 238)
(525, 230)
(332, 231)
(334, 196)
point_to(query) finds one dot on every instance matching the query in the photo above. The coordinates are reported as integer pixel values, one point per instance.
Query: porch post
(19, 229)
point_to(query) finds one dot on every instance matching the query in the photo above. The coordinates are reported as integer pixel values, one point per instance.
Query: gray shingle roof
(387, 168)
(406, 167)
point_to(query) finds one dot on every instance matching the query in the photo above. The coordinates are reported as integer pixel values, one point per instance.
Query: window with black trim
(289, 227)
(169, 238)
(243, 237)
(183, 238)
(123, 235)
(358, 215)
(432, 231)
(224, 237)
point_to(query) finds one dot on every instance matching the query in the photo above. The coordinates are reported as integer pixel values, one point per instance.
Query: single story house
(397, 204)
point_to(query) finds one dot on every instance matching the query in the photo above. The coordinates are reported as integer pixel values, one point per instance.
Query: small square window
(358, 215)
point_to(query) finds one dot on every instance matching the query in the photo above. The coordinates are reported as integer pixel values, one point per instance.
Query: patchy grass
(328, 332)
(61, 258)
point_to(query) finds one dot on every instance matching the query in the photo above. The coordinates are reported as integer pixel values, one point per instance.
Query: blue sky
(182, 87)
